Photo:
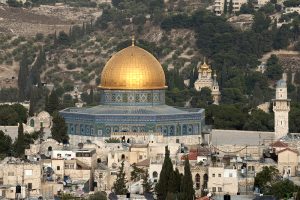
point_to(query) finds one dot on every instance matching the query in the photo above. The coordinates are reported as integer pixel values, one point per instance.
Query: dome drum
(132, 97)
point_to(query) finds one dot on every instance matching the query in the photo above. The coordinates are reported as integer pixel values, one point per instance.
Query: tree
(34, 97)
(68, 101)
(21, 111)
(98, 196)
(174, 184)
(59, 128)
(247, 8)
(230, 8)
(120, 184)
(53, 103)
(274, 69)
(265, 178)
(19, 144)
(261, 22)
(161, 187)
(147, 186)
(5, 144)
(8, 116)
(283, 189)
(298, 194)
(23, 76)
(63, 38)
(225, 7)
(136, 173)
(187, 189)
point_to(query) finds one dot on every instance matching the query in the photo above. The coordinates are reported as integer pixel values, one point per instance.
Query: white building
(205, 80)
(222, 181)
(281, 108)
(218, 6)
(292, 9)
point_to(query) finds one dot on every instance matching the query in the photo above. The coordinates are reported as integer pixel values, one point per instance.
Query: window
(11, 173)
(214, 189)
(140, 157)
(219, 175)
(28, 172)
(230, 174)
(219, 189)
(213, 175)
(58, 167)
(29, 186)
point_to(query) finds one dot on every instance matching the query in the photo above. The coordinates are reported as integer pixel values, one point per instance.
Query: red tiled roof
(288, 149)
(279, 144)
(191, 156)
(203, 198)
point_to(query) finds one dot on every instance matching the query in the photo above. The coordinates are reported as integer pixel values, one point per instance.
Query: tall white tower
(281, 108)
(215, 92)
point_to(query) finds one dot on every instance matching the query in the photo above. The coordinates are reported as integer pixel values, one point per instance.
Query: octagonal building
(133, 104)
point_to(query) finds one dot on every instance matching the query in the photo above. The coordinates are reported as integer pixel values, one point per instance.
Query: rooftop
(132, 110)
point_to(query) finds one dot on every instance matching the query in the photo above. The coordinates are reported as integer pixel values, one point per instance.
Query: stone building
(205, 79)
(43, 119)
(222, 180)
(287, 162)
(26, 174)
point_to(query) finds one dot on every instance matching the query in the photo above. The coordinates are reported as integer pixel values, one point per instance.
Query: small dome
(281, 84)
(133, 68)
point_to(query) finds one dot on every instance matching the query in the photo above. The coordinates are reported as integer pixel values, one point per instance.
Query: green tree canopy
(187, 189)
(120, 184)
(274, 69)
(162, 186)
(59, 128)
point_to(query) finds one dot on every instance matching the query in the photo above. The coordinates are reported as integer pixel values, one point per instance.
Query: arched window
(32, 122)
(49, 148)
(123, 157)
(155, 174)
(197, 181)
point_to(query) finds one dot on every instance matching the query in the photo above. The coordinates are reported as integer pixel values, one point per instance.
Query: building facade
(205, 79)
(133, 100)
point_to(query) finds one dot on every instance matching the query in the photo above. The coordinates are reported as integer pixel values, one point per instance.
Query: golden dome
(205, 67)
(133, 68)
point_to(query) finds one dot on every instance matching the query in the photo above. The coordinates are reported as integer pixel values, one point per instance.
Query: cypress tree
(230, 8)
(34, 96)
(146, 182)
(53, 103)
(120, 184)
(91, 96)
(59, 129)
(19, 144)
(162, 187)
(187, 189)
(23, 76)
(225, 7)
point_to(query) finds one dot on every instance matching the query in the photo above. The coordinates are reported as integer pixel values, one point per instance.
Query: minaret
(215, 92)
(281, 108)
